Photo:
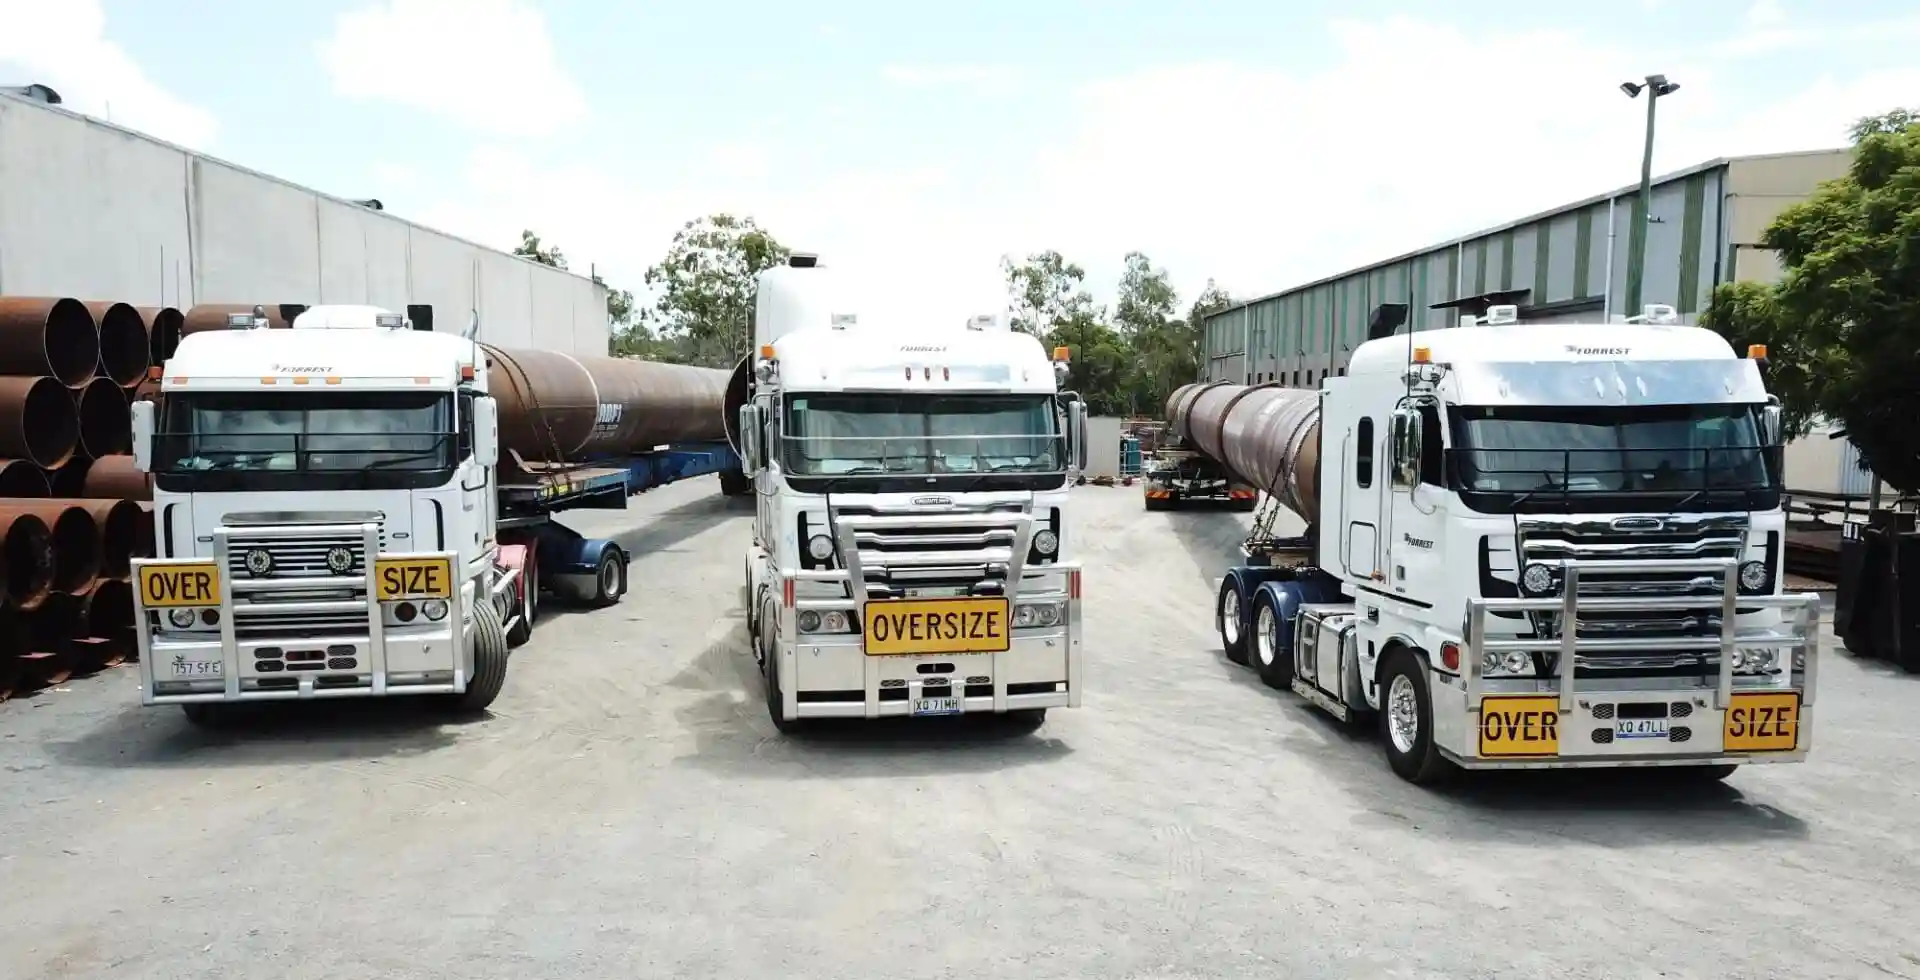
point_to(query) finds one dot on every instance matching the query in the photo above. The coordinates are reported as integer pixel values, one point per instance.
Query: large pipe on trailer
(1264, 435)
(163, 331)
(558, 408)
(125, 348)
(49, 336)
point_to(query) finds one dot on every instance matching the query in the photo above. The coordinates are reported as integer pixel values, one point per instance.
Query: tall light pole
(1655, 86)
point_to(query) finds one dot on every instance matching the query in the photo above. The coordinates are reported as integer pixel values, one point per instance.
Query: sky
(1259, 145)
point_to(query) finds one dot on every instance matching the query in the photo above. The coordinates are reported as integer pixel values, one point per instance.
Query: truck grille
(301, 557)
(953, 548)
(1668, 537)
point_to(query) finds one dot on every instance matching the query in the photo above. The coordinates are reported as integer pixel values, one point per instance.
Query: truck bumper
(839, 680)
(299, 636)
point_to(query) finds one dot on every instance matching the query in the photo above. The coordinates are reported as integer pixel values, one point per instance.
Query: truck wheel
(1406, 721)
(489, 660)
(1026, 719)
(609, 577)
(206, 714)
(1229, 617)
(1249, 504)
(529, 593)
(734, 483)
(771, 672)
(1272, 654)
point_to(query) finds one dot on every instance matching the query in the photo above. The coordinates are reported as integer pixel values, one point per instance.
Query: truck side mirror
(142, 436)
(486, 431)
(752, 460)
(1772, 425)
(1406, 448)
(1077, 433)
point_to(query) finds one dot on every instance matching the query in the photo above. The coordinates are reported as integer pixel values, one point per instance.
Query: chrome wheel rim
(1403, 713)
(1267, 632)
(1230, 616)
(610, 579)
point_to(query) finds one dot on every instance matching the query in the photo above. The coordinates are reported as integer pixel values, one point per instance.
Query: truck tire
(1025, 719)
(609, 577)
(1247, 505)
(528, 592)
(207, 714)
(734, 483)
(1406, 721)
(1272, 654)
(489, 661)
(770, 672)
(1230, 619)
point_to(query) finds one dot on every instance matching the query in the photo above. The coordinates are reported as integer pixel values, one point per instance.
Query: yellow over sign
(1520, 726)
(957, 625)
(172, 586)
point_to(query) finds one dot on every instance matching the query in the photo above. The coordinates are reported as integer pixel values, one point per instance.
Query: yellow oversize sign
(958, 625)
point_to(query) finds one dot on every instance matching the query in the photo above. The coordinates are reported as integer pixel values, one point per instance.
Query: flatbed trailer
(1177, 474)
(554, 557)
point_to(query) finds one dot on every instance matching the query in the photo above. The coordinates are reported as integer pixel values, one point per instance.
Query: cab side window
(463, 441)
(1363, 454)
(1432, 453)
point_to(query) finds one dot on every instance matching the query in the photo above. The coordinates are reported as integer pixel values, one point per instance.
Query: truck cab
(911, 551)
(324, 515)
(1546, 546)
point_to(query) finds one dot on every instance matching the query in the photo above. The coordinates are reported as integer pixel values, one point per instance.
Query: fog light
(210, 617)
(1755, 576)
(820, 547)
(180, 618)
(1537, 579)
(809, 621)
(1046, 543)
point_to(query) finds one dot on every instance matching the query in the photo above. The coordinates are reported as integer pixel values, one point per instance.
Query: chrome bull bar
(1802, 635)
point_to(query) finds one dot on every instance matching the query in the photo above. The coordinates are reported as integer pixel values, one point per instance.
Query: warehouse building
(99, 212)
(1571, 263)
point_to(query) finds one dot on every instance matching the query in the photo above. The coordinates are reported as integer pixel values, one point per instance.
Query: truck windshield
(282, 440)
(868, 438)
(1587, 458)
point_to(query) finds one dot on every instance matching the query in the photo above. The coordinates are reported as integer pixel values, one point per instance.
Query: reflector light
(466, 372)
(1060, 353)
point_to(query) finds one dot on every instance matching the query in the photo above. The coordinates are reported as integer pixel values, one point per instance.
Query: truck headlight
(1756, 661)
(820, 547)
(831, 621)
(180, 618)
(1755, 576)
(1538, 579)
(1513, 663)
(1046, 543)
(434, 609)
(1028, 615)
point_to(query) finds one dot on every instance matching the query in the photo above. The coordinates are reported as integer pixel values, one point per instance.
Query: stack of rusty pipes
(69, 517)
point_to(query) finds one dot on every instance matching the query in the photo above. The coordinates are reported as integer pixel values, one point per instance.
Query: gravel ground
(627, 811)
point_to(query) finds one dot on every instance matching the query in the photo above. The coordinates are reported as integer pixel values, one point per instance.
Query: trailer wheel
(1272, 653)
(529, 593)
(734, 483)
(1406, 721)
(609, 577)
(1230, 619)
(489, 660)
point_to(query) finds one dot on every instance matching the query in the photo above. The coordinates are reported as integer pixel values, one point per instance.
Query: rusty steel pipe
(69, 480)
(51, 629)
(26, 559)
(38, 420)
(119, 523)
(1264, 435)
(43, 335)
(163, 332)
(113, 478)
(12, 645)
(123, 342)
(23, 478)
(74, 541)
(107, 614)
(106, 421)
(559, 408)
(143, 542)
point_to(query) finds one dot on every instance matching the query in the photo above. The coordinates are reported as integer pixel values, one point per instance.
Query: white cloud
(63, 45)
(488, 65)
(1262, 176)
(984, 79)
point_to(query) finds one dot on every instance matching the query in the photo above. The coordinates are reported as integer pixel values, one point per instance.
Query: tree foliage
(1842, 324)
(703, 290)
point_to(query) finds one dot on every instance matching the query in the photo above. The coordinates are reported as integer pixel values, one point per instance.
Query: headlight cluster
(1756, 577)
(1757, 661)
(1513, 663)
(1046, 545)
(820, 547)
(1540, 580)
(1028, 615)
(831, 621)
(434, 610)
(183, 619)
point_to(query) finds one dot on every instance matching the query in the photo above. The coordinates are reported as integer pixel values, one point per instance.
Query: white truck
(1528, 546)
(331, 519)
(911, 553)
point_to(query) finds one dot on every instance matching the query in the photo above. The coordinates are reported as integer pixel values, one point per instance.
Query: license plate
(1631, 728)
(182, 667)
(905, 626)
(413, 578)
(1763, 722)
(1518, 727)
(936, 706)
(172, 586)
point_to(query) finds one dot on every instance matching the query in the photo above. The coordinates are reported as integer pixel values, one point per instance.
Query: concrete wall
(94, 211)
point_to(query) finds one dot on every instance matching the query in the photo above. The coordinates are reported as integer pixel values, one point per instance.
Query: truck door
(1416, 513)
(1360, 502)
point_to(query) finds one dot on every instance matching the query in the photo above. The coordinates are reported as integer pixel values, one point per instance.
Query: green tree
(1044, 291)
(531, 248)
(1842, 325)
(704, 288)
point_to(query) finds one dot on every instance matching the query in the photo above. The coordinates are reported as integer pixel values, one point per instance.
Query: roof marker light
(1422, 355)
(466, 372)
(1060, 353)
(1757, 351)
(766, 352)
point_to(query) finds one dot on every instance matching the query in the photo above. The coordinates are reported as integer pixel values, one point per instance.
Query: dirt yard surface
(628, 811)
